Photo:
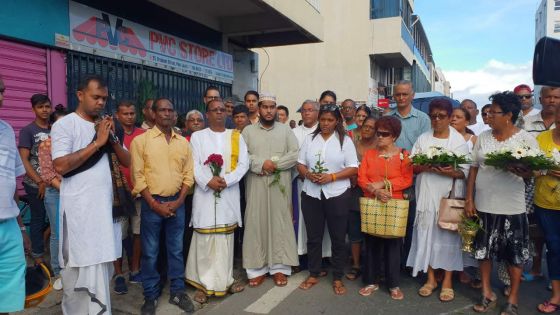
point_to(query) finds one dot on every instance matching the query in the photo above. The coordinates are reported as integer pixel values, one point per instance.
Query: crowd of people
(184, 194)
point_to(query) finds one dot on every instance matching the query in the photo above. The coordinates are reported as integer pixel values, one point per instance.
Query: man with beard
(269, 244)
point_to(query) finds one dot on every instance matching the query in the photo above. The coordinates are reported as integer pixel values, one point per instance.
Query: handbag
(451, 210)
(385, 220)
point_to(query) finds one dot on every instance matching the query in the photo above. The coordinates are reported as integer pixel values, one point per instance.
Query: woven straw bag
(385, 220)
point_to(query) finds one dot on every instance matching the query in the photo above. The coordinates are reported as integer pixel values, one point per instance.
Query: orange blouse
(374, 168)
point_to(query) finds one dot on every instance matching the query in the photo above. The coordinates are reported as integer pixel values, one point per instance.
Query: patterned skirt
(503, 237)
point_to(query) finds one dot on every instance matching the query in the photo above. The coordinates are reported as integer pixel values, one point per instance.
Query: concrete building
(144, 49)
(439, 83)
(547, 20)
(368, 46)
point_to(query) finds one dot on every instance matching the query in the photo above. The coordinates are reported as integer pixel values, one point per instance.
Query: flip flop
(547, 307)
(308, 283)
(255, 282)
(354, 274)
(368, 290)
(446, 295)
(426, 290)
(280, 279)
(396, 293)
(338, 287)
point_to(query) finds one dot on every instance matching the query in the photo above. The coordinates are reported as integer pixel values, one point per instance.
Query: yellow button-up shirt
(160, 166)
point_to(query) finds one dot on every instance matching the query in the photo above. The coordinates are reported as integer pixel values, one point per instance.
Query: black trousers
(335, 212)
(382, 253)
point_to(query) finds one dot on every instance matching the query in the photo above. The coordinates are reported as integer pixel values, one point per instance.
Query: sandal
(368, 289)
(476, 284)
(280, 279)
(507, 290)
(354, 273)
(338, 287)
(446, 295)
(323, 273)
(236, 287)
(510, 309)
(547, 307)
(396, 293)
(255, 282)
(200, 297)
(308, 283)
(426, 290)
(486, 304)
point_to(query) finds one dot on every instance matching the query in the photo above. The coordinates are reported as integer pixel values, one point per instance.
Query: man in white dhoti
(90, 239)
(310, 116)
(214, 219)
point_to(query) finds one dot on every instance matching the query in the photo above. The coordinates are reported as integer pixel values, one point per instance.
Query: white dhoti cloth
(86, 289)
(210, 263)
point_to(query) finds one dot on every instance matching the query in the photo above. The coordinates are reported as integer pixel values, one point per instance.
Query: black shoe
(149, 307)
(183, 301)
(120, 285)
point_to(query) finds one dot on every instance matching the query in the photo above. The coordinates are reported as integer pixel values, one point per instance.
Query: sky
(482, 46)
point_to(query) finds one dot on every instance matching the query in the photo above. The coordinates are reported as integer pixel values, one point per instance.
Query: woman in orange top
(385, 161)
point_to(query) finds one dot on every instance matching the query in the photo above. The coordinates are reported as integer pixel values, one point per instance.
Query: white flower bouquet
(438, 156)
(521, 156)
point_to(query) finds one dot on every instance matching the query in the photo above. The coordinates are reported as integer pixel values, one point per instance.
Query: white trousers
(276, 268)
(86, 289)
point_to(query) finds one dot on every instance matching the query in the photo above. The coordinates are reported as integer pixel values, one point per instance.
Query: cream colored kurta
(269, 232)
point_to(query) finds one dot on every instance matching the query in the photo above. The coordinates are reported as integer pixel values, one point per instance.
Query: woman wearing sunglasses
(327, 159)
(385, 162)
(433, 247)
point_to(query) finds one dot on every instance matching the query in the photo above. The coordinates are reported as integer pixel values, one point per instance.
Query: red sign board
(383, 102)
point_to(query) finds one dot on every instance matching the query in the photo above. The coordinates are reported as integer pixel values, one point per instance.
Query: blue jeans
(37, 223)
(174, 228)
(549, 220)
(52, 198)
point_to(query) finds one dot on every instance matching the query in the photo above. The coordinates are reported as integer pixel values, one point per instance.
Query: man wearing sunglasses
(525, 94)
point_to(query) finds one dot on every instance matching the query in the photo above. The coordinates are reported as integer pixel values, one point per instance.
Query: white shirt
(535, 124)
(86, 199)
(498, 191)
(479, 127)
(301, 132)
(533, 111)
(204, 143)
(335, 158)
(10, 168)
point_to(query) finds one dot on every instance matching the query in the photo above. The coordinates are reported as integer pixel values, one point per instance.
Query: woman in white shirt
(327, 160)
(498, 197)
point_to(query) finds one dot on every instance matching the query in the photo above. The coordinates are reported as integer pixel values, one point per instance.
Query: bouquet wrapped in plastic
(438, 156)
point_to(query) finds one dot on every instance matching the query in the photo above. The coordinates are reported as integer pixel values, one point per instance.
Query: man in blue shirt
(414, 122)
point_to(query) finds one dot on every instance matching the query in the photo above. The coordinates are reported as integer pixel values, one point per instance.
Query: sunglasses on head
(383, 134)
(329, 107)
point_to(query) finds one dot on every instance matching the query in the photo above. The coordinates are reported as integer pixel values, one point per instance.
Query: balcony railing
(407, 37)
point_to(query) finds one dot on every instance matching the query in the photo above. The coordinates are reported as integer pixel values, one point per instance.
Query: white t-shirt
(479, 127)
(498, 191)
(10, 168)
(86, 199)
(335, 158)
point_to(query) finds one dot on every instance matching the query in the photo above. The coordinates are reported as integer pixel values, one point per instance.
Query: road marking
(459, 310)
(275, 296)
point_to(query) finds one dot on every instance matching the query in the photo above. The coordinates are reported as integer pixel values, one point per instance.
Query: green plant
(471, 223)
(319, 167)
(146, 90)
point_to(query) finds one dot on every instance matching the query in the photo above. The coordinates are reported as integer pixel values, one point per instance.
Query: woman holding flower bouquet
(497, 194)
(547, 210)
(384, 163)
(327, 159)
(434, 247)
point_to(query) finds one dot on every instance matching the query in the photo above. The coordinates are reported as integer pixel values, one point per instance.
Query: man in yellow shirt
(162, 172)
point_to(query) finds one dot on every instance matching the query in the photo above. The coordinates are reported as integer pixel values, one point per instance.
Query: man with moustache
(89, 236)
(162, 172)
(269, 245)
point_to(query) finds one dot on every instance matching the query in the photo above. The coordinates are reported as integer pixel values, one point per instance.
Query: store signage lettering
(97, 31)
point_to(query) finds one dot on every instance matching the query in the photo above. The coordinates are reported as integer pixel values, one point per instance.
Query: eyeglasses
(491, 113)
(308, 110)
(484, 114)
(217, 110)
(213, 97)
(195, 120)
(439, 116)
(525, 96)
(383, 134)
(329, 108)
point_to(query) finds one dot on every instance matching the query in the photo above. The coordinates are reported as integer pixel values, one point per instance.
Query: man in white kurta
(310, 116)
(214, 219)
(90, 239)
